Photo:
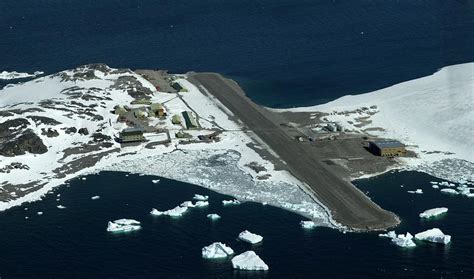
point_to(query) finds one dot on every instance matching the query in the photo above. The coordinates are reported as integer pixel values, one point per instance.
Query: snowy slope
(434, 115)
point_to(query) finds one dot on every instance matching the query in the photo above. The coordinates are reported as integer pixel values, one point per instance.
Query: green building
(191, 122)
(131, 135)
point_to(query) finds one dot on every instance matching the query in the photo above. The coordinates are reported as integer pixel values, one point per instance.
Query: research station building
(387, 148)
(131, 135)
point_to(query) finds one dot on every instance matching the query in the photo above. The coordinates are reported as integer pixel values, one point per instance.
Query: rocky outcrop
(27, 142)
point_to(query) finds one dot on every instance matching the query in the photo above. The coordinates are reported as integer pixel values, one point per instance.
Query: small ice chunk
(216, 250)
(175, 212)
(249, 261)
(155, 181)
(26, 208)
(308, 224)
(95, 197)
(435, 186)
(433, 212)
(60, 206)
(404, 240)
(434, 235)
(390, 234)
(213, 216)
(201, 203)
(39, 213)
(250, 237)
(417, 191)
(84, 178)
(26, 217)
(449, 191)
(123, 225)
(230, 202)
(187, 204)
(434, 182)
(200, 197)
(58, 195)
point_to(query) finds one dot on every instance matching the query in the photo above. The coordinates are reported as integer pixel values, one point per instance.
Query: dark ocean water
(73, 242)
(285, 53)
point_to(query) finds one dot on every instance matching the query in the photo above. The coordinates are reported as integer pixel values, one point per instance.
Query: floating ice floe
(250, 237)
(213, 216)
(60, 206)
(434, 235)
(58, 195)
(249, 261)
(84, 178)
(123, 225)
(175, 212)
(201, 204)
(39, 213)
(433, 212)
(449, 191)
(401, 239)
(390, 234)
(216, 250)
(230, 202)
(434, 182)
(404, 240)
(187, 204)
(435, 186)
(26, 217)
(308, 224)
(155, 181)
(417, 191)
(200, 197)
(95, 197)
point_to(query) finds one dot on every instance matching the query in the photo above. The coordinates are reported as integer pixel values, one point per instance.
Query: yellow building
(387, 148)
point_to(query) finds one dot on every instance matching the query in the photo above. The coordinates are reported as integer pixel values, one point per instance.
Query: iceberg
(213, 216)
(95, 197)
(175, 212)
(390, 234)
(201, 204)
(404, 240)
(216, 250)
(123, 225)
(39, 213)
(61, 206)
(434, 235)
(249, 261)
(418, 191)
(433, 212)
(200, 197)
(434, 182)
(435, 186)
(230, 202)
(155, 181)
(308, 224)
(449, 191)
(250, 237)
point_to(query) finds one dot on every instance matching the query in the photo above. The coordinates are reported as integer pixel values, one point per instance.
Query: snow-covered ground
(75, 99)
(433, 116)
(16, 75)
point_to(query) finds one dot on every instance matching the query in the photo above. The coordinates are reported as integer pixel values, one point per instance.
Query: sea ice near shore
(249, 261)
(434, 235)
(250, 237)
(308, 224)
(230, 202)
(216, 250)
(401, 240)
(200, 197)
(433, 212)
(123, 225)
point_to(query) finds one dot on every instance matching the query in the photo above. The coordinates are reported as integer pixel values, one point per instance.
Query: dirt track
(347, 204)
